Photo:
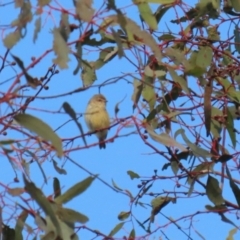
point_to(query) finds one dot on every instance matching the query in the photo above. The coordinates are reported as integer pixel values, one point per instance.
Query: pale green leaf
(11, 39)
(61, 49)
(75, 190)
(116, 229)
(41, 129)
(146, 13)
(213, 191)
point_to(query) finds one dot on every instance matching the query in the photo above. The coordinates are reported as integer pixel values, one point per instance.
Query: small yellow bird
(97, 118)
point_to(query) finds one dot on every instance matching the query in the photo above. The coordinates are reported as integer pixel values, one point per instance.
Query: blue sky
(100, 203)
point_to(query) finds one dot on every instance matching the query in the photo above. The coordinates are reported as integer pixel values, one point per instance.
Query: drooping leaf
(231, 233)
(161, 10)
(175, 167)
(116, 186)
(84, 10)
(58, 169)
(41, 129)
(230, 128)
(234, 187)
(88, 74)
(213, 191)
(42, 201)
(61, 50)
(164, 139)
(178, 57)
(138, 87)
(195, 149)
(226, 220)
(20, 225)
(134, 30)
(208, 107)
(75, 190)
(116, 229)
(37, 28)
(180, 80)
(116, 108)
(146, 13)
(64, 26)
(70, 111)
(118, 41)
(149, 95)
(56, 187)
(158, 204)
(106, 55)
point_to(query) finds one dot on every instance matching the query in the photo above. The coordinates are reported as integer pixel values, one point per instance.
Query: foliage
(184, 83)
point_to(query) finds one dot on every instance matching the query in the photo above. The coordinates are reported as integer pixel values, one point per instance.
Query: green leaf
(37, 28)
(158, 204)
(234, 187)
(161, 10)
(56, 187)
(132, 235)
(20, 225)
(70, 111)
(133, 174)
(75, 190)
(149, 95)
(117, 228)
(195, 149)
(88, 74)
(61, 49)
(208, 107)
(11, 39)
(213, 191)
(162, 1)
(164, 139)
(204, 57)
(6, 142)
(175, 167)
(70, 216)
(236, 5)
(231, 233)
(116, 186)
(230, 128)
(106, 55)
(225, 219)
(178, 57)
(200, 171)
(123, 216)
(146, 13)
(138, 87)
(58, 169)
(84, 10)
(64, 26)
(43, 3)
(179, 79)
(43, 202)
(41, 129)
